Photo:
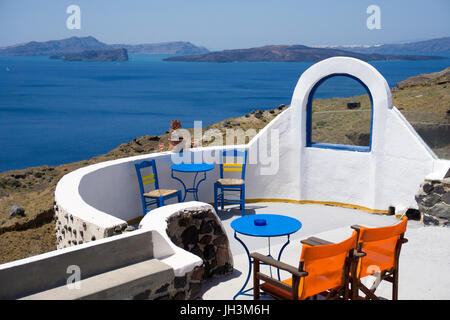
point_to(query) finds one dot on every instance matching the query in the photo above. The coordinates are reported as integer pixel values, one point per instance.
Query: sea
(54, 112)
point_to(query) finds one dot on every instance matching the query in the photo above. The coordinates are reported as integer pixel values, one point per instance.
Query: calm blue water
(54, 112)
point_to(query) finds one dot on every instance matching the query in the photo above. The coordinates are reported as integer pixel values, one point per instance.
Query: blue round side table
(192, 168)
(263, 225)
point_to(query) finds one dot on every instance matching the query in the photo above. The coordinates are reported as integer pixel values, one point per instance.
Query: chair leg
(243, 201)
(346, 291)
(240, 199)
(222, 199)
(160, 202)
(354, 285)
(179, 196)
(144, 206)
(256, 294)
(144, 209)
(395, 285)
(215, 197)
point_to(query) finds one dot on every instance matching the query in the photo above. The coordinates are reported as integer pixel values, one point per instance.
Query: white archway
(364, 72)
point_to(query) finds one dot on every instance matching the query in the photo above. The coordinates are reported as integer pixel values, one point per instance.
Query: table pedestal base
(244, 291)
(194, 189)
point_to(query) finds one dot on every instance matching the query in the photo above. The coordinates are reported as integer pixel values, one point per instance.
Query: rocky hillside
(424, 100)
(78, 44)
(53, 47)
(426, 80)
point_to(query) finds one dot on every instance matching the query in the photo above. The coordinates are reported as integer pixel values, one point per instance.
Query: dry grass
(16, 245)
(333, 123)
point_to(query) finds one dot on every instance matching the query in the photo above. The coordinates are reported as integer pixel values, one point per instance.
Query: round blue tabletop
(275, 225)
(192, 167)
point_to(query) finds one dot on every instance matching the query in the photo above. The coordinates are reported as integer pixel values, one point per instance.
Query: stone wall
(181, 288)
(200, 232)
(212, 247)
(70, 230)
(187, 287)
(433, 200)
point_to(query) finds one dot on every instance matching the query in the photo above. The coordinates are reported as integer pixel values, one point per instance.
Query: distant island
(289, 53)
(186, 51)
(94, 55)
(79, 44)
(176, 48)
(433, 46)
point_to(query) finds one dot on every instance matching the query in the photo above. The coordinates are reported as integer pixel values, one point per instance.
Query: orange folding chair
(378, 253)
(323, 269)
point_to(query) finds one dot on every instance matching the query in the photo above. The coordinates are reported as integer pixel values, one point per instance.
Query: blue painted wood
(219, 190)
(147, 201)
(340, 147)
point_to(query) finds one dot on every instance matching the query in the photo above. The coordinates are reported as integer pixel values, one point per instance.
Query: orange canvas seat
(380, 251)
(323, 269)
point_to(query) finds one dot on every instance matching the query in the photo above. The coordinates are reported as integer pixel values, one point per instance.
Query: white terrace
(328, 188)
(423, 255)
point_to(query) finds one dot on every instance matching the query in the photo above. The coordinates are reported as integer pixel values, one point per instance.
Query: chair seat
(160, 193)
(284, 294)
(268, 287)
(230, 182)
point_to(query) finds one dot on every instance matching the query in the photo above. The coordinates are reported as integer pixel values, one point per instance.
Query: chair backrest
(325, 265)
(380, 246)
(238, 165)
(151, 178)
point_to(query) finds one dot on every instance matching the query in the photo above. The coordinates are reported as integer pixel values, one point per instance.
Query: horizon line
(185, 41)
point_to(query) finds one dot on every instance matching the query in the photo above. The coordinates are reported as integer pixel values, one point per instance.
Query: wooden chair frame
(390, 275)
(148, 201)
(219, 190)
(342, 292)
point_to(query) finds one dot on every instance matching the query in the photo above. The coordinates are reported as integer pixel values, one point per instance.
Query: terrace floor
(424, 260)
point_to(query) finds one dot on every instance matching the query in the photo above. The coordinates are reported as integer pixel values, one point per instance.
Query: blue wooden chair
(231, 184)
(156, 196)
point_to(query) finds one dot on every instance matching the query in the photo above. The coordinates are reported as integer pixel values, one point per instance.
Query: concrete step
(140, 280)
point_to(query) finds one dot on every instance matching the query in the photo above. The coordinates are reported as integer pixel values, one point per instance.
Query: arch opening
(340, 114)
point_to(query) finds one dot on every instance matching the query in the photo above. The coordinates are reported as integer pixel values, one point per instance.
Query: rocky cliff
(78, 44)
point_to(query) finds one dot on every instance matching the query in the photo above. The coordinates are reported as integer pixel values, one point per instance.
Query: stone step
(140, 281)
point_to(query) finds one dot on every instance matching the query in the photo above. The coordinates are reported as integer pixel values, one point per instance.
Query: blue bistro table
(263, 225)
(191, 168)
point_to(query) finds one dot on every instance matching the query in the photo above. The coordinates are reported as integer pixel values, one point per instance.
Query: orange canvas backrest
(379, 244)
(325, 266)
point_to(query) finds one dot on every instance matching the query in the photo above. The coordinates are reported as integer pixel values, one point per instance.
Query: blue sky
(226, 24)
